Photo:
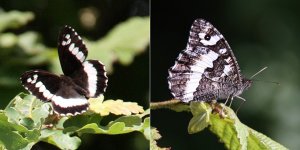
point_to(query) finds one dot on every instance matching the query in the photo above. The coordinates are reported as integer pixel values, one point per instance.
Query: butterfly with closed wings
(82, 79)
(207, 69)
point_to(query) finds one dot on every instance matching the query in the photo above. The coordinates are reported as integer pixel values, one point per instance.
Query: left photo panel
(75, 75)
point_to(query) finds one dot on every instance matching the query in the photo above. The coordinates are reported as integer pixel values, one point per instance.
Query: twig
(163, 104)
(172, 104)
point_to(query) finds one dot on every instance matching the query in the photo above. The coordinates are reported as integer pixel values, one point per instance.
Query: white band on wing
(91, 72)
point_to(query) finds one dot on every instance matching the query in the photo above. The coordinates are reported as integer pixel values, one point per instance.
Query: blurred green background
(261, 33)
(28, 39)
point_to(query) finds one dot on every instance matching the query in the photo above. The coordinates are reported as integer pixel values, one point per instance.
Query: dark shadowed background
(261, 33)
(92, 19)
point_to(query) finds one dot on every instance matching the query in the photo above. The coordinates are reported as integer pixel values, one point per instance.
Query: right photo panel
(224, 75)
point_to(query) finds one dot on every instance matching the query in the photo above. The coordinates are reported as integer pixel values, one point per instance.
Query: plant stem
(163, 104)
(172, 104)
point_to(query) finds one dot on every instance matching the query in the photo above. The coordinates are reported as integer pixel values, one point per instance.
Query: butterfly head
(246, 83)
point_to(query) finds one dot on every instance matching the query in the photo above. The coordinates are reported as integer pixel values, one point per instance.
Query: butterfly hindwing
(207, 69)
(92, 77)
(66, 98)
(97, 79)
(70, 99)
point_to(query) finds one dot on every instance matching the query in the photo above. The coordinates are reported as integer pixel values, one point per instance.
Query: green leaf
(122, 43)
(137, 36)
(8, 40)
(15, 136)
(39, 113)
(31, 44)
(91, 124)
(236, 135)
(33, 135)
(260, 141)
(25, 117)
(200, 118)
(60, 139)
(14, 19)
(74, 123)
(242, 133)
(122, 125)
(224, 129)
(147, 128)
(28, 111)
(15, 140)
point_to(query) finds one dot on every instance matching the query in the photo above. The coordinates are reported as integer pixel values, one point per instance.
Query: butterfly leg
(241, 98)
(244, 100)
(222, 112)
(228, 99)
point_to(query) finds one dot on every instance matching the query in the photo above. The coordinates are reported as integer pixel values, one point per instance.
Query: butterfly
(206, 69)
(82, 79)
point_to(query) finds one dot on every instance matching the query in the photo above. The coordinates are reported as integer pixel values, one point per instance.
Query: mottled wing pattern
(207, 68)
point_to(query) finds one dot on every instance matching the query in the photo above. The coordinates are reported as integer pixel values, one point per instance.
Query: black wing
(41, 84)
(92, 77)
(66, 97)
(91, 74)
(71, 50)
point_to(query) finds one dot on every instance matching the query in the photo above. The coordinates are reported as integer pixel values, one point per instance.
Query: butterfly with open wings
(82, 79)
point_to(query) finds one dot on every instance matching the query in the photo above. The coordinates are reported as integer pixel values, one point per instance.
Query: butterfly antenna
(262, 80)
(267, 81)
(258, 72)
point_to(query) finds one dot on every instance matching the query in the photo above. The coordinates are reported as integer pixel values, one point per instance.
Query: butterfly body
(82, 79)
(207, 69)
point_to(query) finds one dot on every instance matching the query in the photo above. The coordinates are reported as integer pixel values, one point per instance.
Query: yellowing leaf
(154, 137)
(117, 107)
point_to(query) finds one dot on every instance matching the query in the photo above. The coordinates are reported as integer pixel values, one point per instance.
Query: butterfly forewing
(40, 83)
(207, 68)
(71, 50)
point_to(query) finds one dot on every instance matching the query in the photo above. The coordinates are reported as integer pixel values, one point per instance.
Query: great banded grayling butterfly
(207, 69)
(82, 78)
